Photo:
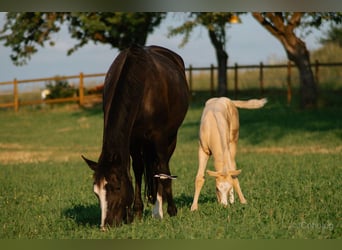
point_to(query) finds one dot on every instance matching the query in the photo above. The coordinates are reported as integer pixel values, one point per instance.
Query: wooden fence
(81, 98)
(260, 67)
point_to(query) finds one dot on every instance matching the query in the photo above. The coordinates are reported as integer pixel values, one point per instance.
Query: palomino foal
(218, 136)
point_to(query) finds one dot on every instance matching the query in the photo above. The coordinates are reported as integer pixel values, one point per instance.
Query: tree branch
(267, 24)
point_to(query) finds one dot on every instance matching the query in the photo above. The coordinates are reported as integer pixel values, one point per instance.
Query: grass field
(291, 162)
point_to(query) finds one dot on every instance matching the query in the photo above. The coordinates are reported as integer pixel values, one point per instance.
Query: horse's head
(113, 187)
(225, 182)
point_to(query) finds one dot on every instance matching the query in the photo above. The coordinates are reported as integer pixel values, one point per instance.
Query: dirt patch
(20, 156)
(15, 153)
(10, 146)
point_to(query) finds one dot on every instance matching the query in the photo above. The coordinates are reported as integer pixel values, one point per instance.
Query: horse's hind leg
(138, 168)
(171, 207)
(164, 153)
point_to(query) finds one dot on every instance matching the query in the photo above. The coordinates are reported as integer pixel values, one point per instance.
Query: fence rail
(82, 98)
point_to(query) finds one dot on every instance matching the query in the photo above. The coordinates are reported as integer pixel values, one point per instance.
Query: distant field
(291, 163)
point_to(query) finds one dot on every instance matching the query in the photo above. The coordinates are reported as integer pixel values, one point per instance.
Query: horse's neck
(120, 114)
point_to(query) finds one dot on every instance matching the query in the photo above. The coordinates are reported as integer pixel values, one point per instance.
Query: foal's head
(225, 182)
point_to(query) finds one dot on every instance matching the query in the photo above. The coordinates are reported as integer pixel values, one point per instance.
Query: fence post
(236, 80)
(317, 72)
(211, 80)
(81, 90)
(15, 95)
(289, 88)
(261, 78)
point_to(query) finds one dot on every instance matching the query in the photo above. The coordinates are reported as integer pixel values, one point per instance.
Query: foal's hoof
(243, 201)
(193, 208)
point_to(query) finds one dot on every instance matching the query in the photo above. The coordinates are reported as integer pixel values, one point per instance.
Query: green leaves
(25, 32)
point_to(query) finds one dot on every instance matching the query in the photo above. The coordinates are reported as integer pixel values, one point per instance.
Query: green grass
(291, 162)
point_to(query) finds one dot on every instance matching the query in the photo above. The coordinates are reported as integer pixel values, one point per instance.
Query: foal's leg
(232, 149)
(236, 185)
(202, 160)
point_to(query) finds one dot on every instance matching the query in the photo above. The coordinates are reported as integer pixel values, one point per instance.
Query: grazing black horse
(145, 100)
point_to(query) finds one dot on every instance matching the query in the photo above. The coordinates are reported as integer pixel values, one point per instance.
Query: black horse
(145, 100)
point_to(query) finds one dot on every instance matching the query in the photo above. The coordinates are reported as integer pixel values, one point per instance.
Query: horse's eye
(113, 188)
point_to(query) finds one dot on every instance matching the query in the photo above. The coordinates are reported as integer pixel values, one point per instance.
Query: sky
(248, 43)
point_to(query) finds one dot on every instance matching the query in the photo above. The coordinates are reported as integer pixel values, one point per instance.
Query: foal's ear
(91, 164)
(234, 173)
(212, 173)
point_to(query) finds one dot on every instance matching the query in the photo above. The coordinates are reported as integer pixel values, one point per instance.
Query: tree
(216, 24)
(283, 25)
(24, 32)
(333, 35)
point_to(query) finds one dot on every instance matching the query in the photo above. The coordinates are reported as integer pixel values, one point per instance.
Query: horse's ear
(91, 164)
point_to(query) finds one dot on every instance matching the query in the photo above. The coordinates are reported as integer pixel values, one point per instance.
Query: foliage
(333, 35)
(291, 178)
(24, 32)
(119, 29)
(213, 21)
(60, 89)
(282, 25)
(317, 19)
(216, 23)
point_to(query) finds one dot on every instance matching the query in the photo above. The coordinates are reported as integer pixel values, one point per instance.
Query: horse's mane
(123, 90)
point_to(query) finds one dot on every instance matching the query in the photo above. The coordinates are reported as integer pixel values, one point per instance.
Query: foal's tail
(250, 104)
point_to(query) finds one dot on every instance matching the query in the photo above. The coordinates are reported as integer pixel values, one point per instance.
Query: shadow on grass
(89, 215)
(185, 200)
(84, 214)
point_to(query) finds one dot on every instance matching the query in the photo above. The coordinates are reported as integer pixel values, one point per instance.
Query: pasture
(291, 163)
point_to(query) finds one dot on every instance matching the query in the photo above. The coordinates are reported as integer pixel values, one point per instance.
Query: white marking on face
(157, 211)
(100, 191)
(223, 187)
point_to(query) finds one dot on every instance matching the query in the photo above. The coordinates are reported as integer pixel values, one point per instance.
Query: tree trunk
(282, 27)
(308, 87)
(222, 57)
